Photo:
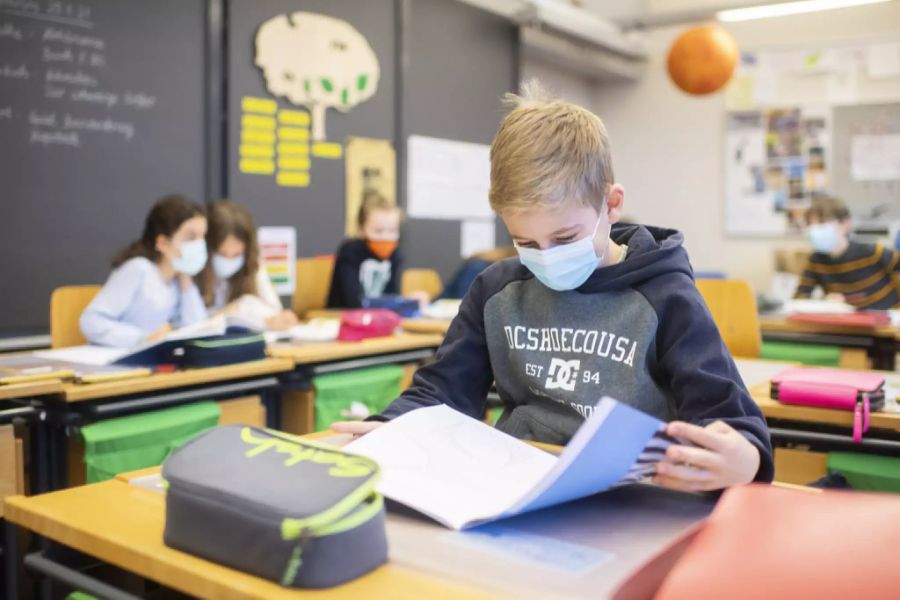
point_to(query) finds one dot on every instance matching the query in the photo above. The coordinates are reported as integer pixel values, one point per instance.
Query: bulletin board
(803, 122)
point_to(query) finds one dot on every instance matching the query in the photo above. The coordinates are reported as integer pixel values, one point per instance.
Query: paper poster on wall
(371, 166)
(836, 73)
(278, 256)
(447, 179)
(875, 157)
(883, 60)
(476, 235)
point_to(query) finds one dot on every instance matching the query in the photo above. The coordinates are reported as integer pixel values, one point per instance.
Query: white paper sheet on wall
(447, 179)
(875, 157)
(883, 60)
(476, 236)
(278, 256)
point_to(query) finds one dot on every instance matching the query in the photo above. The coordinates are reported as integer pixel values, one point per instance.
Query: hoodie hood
(652, 251)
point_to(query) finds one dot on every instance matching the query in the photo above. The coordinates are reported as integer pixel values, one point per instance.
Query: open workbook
(462, 472)
(148, 353)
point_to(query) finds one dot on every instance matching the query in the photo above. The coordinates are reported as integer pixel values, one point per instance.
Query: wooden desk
(80, 403)
(809, 414)
(881, 343)
(414, 325)
(30, 389)
(423, 325)
(802, 435)
(616, 533)
(78, 392)
(122, 525)
(312, 353)
(760, 391)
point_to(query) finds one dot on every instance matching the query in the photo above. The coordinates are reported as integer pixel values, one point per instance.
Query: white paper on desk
(85, 355)
(463, 472)
(817, 307)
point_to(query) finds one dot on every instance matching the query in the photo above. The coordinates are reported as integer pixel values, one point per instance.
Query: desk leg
(57, 461)
(40, 457)
(271, 399)
(884, 355)
(10, 562)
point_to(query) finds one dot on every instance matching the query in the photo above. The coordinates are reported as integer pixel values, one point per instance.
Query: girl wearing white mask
(151, 289)
(233, 282)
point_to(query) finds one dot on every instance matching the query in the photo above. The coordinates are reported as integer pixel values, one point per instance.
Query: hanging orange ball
(702, 59)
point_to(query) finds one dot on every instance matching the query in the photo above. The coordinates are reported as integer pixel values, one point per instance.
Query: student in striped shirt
(865, 275)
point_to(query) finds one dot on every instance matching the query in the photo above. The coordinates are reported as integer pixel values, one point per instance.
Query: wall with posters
(782, 148)
(672, 160)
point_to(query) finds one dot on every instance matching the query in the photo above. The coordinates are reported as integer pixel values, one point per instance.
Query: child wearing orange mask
(370, 265)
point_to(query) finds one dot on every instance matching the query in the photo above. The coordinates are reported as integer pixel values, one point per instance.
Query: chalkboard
(314, 206)
(101, 112)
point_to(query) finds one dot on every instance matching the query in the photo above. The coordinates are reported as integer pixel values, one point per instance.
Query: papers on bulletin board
(278, 256)
(447, 179)
(875, 157)
(476, 235)
(750, 203)
(883, 60)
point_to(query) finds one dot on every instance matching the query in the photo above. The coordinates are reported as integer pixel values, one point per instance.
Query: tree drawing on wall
(317, 62)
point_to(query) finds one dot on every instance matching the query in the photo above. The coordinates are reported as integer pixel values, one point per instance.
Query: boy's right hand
(355, 427)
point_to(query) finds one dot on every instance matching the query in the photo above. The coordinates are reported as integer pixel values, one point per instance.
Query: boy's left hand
(723, 457)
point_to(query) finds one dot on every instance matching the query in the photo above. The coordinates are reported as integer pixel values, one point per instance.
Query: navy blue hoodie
(637, 331)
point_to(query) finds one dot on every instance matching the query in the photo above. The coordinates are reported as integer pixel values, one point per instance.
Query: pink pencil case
(855, 391)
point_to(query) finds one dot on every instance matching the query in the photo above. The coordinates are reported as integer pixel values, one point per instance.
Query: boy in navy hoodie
(589, 309)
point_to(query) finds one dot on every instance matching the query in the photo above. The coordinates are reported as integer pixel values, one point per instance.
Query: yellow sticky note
(265, 106)
(256, 151)
(293, 134)
(292, 178)
(300, 149)
(257, 122)
(293, 117)
(257, 166)
(258, 136)
(299, 163)
(327, 150)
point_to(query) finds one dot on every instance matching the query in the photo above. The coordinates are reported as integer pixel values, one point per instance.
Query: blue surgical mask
(193, 257)
(224, 267)
(824, 237)
(563, 267)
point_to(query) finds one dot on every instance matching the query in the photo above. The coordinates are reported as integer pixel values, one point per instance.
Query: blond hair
(548, 151)
(372, 201)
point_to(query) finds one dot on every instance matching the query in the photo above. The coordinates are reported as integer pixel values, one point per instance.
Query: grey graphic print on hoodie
(637, 331)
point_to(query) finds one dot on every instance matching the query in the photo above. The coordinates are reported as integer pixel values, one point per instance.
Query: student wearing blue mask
(591, 308)
(151, 289)
(864, 275)
(233, 282)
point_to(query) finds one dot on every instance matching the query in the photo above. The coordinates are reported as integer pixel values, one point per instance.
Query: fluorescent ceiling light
(765, 11)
